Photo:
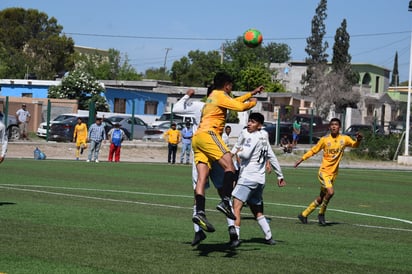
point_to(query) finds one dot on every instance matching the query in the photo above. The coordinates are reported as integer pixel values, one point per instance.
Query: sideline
(17, 187)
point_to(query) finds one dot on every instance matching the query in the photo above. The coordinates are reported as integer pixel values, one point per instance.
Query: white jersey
(3, 139)
(254, 150)
(186, 107)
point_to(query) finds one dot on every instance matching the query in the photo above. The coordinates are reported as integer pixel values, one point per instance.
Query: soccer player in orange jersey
(333, 146)
(209, 147)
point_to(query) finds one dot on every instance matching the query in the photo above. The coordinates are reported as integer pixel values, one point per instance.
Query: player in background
(208, 146)
(80, 137)
(333, 146)
(254, 152)
(185, 106)
(4, 141)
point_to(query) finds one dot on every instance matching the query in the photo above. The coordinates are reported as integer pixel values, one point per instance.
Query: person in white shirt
(23, 118)
(191, 107)
(4, 141)
(254, 152)
(225, 135)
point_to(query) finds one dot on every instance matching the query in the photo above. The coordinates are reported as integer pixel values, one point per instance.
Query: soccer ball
(252, 38)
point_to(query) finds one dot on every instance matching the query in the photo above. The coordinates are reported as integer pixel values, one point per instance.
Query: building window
(27, 94)
(119, 105)
(150, 107)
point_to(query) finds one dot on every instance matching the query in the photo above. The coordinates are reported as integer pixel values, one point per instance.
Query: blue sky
(378, 28)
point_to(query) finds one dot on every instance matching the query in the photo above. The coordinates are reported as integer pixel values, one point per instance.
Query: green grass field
(78, 217)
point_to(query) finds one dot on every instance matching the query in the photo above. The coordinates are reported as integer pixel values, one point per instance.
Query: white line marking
(16, 187)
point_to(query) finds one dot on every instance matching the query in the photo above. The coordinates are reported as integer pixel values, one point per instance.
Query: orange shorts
(208, 147)
(326, 181)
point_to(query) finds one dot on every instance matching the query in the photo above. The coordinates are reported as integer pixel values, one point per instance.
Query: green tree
(34, 44)
(82, 87)
(395, 72)
(342, 77)
(314, 78)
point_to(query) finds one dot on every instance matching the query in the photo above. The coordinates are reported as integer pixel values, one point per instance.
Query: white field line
(18, 188)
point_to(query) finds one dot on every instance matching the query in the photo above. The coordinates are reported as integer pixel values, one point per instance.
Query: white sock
(238, 231)
(230, 222)
(195, 226)
(264, 225)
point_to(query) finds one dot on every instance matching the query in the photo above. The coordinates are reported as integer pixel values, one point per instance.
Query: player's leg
(240, 196)
(229, 178)
(117, 154)
(303, 217)
(328, 194)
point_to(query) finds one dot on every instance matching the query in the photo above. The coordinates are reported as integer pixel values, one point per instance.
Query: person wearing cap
(96, 136)
(23, 118)
(187, 134)
(172, 137)
(116, 136)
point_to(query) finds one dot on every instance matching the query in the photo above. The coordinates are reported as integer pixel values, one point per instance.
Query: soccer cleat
(201, 220)
(321, 219)
(304, 220)
(199, 236)
(97, 161)
(81, 150)
(234, 238)
(87, 160)
(270, 241)
(225, 207)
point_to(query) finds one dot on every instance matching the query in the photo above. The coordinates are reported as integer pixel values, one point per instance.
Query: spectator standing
(80, 137)
(187, 134)
(225, 135)
(4, 141)
(23, 118)
(96, 136)
(172, 137)
(295, 133)
(116, 137)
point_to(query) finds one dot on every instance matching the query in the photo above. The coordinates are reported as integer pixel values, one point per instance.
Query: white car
(42, 129)
(166, 117)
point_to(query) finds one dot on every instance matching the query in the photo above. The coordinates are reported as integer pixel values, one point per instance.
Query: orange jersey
(172, 136)
(215, 109)
(333, 149)
(80, 132)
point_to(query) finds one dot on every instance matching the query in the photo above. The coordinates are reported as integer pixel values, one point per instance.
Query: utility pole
(222, 51)
(167, 51)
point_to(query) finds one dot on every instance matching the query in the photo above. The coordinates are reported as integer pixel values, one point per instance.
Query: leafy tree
(341, 77)
(157, 74)
(317, 61)
(34, 44)
(107, 67)
(395, 72)
(82, 87)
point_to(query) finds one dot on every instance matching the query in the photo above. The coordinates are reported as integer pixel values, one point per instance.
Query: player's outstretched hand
(359, 136)
(281, 183)
(190, 92)
(298, 162)
(257, 90)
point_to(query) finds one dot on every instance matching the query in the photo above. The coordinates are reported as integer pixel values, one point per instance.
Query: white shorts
(250, 193)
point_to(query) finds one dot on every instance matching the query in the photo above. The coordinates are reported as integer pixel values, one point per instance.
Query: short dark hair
(335, 120)
(258, 117)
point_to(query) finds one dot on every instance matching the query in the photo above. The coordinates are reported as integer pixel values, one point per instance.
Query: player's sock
(195, 226)
(228, 180)
(323, 206)
(78, 153)
(238, 231)
(200, 203)
(264, 225)
(310, 208)
(230, 222)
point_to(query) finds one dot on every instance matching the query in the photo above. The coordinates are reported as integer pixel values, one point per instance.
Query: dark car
(139, 126)
(12, 126)
(286, 128)
(62, 131)
(362, 128)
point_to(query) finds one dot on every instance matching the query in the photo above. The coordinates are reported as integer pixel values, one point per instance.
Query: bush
(377, 147)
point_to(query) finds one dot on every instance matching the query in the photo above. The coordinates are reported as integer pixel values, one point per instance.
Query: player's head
(223, 81)
(255, 121)
(334, 126)
(228, 130)
(335, 120)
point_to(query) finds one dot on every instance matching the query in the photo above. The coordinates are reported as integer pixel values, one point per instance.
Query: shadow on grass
(6, 203)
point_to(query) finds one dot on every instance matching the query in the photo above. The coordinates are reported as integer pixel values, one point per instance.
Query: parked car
(286, 128)
(139, 126)
(362, 128)
(12, 126)
(42, 129)
(156, 133)
(166, 117)
(62, 131)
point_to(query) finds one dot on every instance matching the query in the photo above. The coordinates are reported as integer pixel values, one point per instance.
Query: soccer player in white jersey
(254, 151)
(191, 107)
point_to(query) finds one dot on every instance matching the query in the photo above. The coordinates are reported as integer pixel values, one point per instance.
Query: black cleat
(304, 220)
(321, 219)
(199, 236)
(234, 238)
(201, 220)
(225, 207)
(270, 241)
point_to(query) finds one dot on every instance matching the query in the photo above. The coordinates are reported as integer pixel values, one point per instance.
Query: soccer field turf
(77, 217)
